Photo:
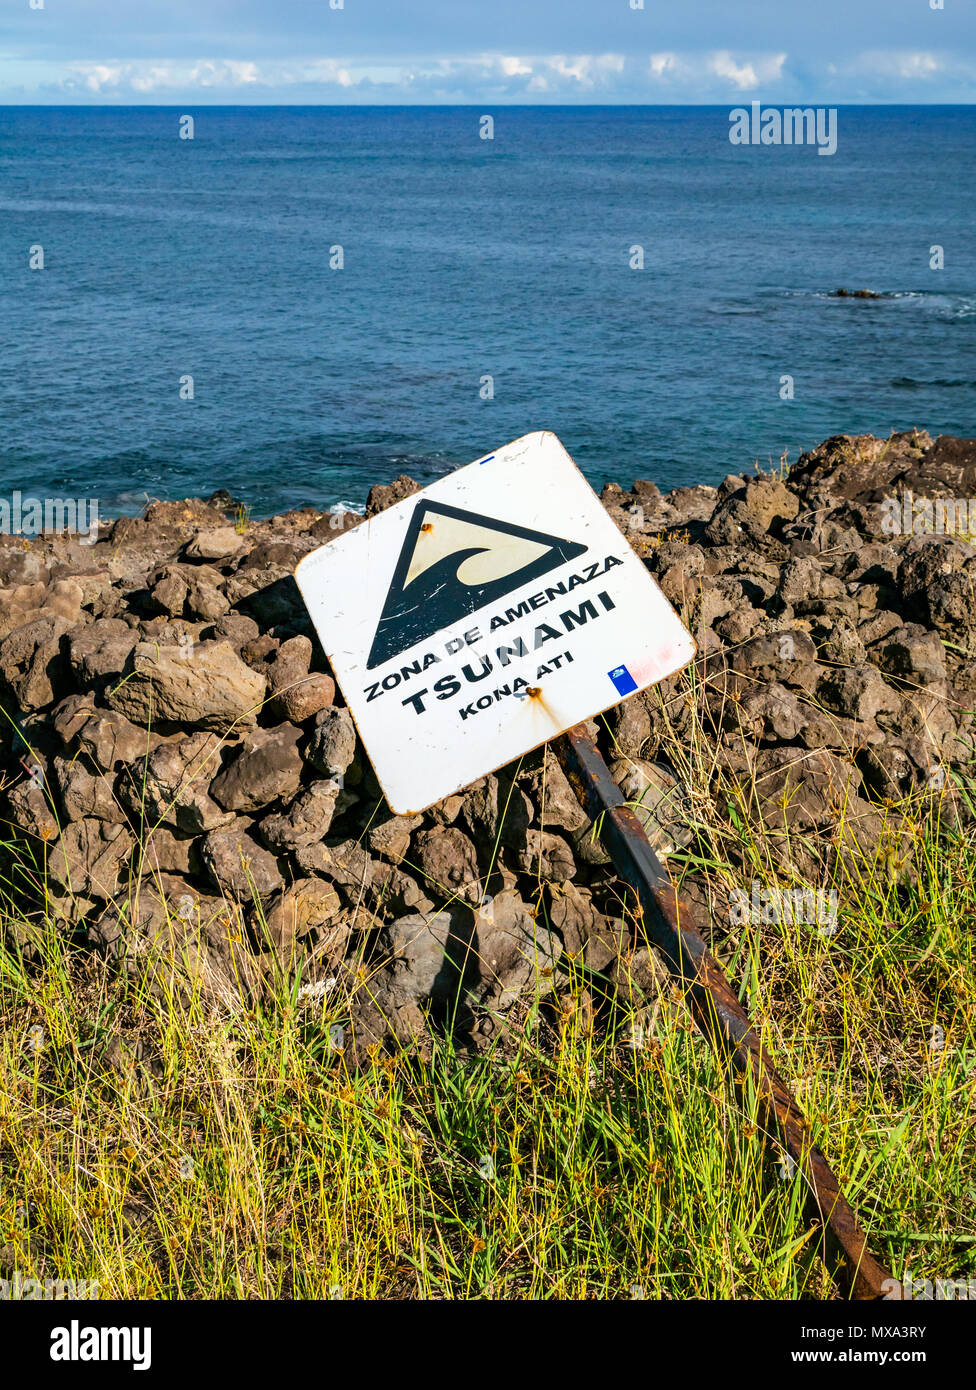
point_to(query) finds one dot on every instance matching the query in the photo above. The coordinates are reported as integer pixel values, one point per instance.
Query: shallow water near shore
(466, 259)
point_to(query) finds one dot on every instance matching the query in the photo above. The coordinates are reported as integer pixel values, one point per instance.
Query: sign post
(670, 926)
(493, 612)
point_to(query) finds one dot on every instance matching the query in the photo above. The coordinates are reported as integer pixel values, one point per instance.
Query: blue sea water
(464, 259)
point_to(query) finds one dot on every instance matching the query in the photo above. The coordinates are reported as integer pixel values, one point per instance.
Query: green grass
(170, 1148)
(225, 1157)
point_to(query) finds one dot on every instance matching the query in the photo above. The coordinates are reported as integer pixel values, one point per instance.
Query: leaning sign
(491, 612)
(483, 616)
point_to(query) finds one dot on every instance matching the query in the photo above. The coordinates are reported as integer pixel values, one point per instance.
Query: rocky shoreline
(184, 792)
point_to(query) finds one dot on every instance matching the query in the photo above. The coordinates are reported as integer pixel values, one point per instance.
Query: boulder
(305, 821)
(383, 495)
(32, 665)
(109, 739)
(214, 543)
(913, 656)
(101, 649)
(390, 838)
(86, 858)
(172, 789)
(857, 693)
(210, 688)
(267, 768)
(546, 857)
(296, 695)
(332, 745)
(514, 957)
(31, 808)
(183, 943)
(446, 859)
(344, 862)
(238, 865)
(763, 506)
(496, 810)
(86, 794)
(310, 906)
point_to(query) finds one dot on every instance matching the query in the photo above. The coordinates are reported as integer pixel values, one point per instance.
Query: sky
(158, 52)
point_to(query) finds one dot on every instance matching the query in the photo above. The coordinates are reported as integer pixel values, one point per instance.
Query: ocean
(487, 288)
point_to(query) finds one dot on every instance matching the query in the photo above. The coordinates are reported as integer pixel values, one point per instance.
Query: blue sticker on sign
(623, 680)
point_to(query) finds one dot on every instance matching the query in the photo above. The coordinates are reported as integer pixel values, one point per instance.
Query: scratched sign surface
(484, 615)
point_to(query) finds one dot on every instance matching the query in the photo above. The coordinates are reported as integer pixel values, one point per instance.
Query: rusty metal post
(718, 1013)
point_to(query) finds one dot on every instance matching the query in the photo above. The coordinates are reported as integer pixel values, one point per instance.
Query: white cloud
(741, 75)
(155, 77)
(713, 73)
(150, 80)
(99, 75)
(746, 76)
(502, 74)
(243, 72)
(907, 72)
(898, 64)
(324, 70)
(662, 63)
(918, 65)
(670, 75)
(586, 68)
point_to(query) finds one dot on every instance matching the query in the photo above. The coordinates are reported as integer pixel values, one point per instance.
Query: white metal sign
(484, 615)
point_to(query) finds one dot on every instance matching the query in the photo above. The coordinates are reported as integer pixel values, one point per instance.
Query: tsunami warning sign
(484, 615)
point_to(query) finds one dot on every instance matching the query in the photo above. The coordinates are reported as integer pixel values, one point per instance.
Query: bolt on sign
(483, 616)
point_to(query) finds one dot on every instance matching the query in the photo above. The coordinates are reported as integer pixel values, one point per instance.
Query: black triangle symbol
(427, 593)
